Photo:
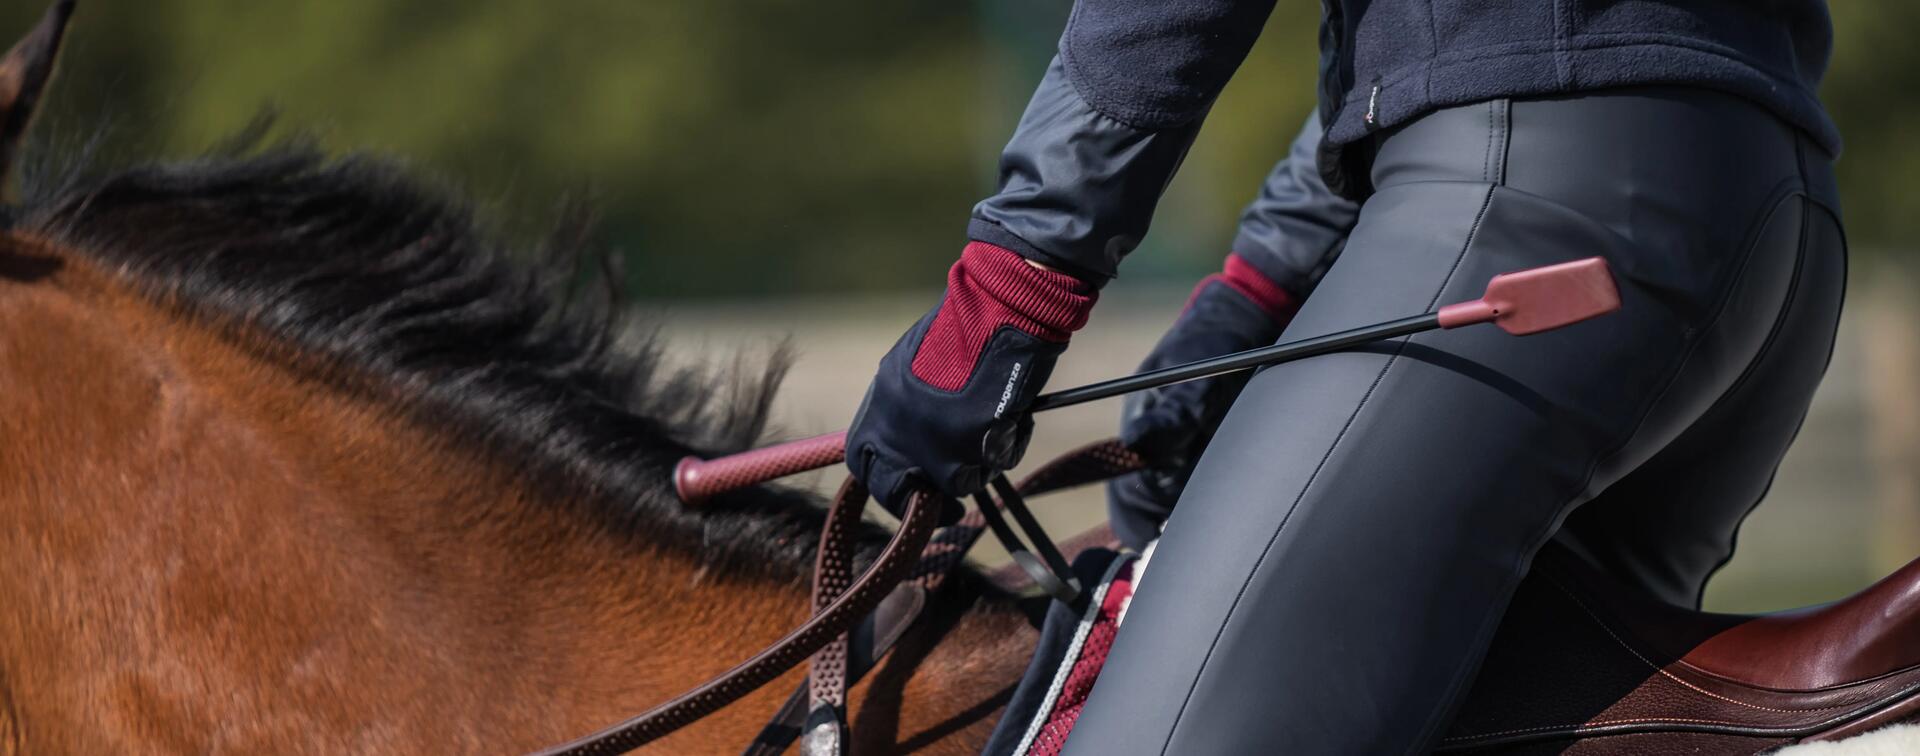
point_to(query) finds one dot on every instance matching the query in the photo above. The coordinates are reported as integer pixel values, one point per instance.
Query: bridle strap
(910, 554)
(860, 598)
(1092, 463)
(832, 576)
(1088, 464)
(827, 674)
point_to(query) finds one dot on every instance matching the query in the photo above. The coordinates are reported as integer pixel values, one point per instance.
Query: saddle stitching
(1588, 727)
(1669, 675)
(1592, 728)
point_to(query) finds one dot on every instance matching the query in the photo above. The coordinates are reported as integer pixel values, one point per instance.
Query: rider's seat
(1583, 665)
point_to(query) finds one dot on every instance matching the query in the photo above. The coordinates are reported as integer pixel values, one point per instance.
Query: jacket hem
(1480, 75)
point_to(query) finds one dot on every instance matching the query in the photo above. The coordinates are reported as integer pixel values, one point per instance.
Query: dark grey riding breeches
(1332, 576)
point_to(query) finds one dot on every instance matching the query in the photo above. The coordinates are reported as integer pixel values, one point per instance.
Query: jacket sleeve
(1109, 125)
(1296, 227)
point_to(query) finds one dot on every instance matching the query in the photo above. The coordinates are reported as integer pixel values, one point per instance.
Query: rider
(1345, 546)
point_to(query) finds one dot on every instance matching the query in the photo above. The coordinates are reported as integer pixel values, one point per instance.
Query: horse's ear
(23, 77)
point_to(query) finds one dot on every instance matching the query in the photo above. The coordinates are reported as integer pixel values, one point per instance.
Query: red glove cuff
(1240, 275)
(990, 287)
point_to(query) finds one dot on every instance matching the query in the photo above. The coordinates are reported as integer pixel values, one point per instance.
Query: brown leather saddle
(1583, 665)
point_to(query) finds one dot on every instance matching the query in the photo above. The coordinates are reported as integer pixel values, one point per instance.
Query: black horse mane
(354, 262)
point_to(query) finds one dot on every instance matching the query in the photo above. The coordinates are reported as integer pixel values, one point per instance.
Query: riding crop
(1521, 302)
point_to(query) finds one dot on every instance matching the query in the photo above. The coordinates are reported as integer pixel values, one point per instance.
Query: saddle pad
(1067, 660)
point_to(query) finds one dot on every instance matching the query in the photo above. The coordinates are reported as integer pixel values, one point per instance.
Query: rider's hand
(1231, 311)
(948, 406)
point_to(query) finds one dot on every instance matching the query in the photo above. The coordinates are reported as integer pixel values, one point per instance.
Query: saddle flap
(1579, 658)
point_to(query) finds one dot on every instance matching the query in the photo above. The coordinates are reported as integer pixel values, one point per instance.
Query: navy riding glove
(948, 405)
(1231, 311)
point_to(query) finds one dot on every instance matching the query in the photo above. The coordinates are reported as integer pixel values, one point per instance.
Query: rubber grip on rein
(695, 479)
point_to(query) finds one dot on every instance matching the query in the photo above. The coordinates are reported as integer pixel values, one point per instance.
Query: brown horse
(294, 457)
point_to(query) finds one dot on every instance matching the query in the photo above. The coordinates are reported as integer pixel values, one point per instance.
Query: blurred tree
(1873, 91)
(760, 146)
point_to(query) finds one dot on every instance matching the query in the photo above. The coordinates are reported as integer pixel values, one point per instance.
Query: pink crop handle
(696, 479)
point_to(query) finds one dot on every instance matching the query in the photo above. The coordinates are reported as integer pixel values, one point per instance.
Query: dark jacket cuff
(1296, 227)
(1078, 188)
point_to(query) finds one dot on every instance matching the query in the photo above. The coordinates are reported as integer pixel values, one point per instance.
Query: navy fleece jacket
(1122, 101)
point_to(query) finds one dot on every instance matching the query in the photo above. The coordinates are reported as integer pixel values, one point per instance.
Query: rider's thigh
(1335, 568)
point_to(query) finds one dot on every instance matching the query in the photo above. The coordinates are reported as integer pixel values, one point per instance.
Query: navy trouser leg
(1336, 567)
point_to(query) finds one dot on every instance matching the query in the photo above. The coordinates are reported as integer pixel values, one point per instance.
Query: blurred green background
(779, 167)
(768, 146)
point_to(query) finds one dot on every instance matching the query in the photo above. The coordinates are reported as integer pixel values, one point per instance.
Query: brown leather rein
(841, 601)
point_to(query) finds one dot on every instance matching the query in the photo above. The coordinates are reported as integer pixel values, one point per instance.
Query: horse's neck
(276, 564)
